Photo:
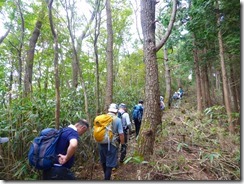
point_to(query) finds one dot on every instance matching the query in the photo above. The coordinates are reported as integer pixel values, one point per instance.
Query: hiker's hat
(113, 107)
(122, 105)
(3, 139)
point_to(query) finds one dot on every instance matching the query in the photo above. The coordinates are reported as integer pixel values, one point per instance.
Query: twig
(172, 174)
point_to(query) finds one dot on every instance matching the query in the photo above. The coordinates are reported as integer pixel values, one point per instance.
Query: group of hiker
(176, 98)
(178, 94)
(110, 131)
(120, 127)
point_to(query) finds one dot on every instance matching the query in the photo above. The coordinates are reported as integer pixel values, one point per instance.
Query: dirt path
(177, 156)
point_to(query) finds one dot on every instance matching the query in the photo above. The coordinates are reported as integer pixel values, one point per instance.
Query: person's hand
(129, 127)
(62, 159)
(123, 148)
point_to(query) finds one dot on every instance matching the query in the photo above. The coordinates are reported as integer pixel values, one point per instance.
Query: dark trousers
(125, 135)
(123, 154)
(137, 126)
(58, 173)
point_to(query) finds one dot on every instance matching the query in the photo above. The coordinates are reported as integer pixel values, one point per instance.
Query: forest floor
(186, 148)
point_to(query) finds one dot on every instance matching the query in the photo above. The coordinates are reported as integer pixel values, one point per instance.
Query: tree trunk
(217, 80)
(10, 83)
(197, 73)
(233, 89)
(96, 35)
(75, 62)
(211, 83)
(151, 115)
(109, 57)
(202, 83)
(30, 58)
(5, 35)
(207, 87)
(21, 45)
(224, 75)
(167, 79)
(56, 67)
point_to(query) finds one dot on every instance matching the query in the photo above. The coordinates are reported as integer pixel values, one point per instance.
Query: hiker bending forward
(108, 152)
(66, 147)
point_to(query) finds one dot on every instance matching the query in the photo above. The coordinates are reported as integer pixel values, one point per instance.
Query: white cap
(113, 108)
(3, 139)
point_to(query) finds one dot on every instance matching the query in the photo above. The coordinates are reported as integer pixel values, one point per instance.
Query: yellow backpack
(102, 128)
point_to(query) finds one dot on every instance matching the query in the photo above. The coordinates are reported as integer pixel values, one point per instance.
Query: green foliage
(180, 146)
(210, 157)
(135, 159)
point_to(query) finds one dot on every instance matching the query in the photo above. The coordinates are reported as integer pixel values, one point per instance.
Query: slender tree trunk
(224, 75)
(30, 58)
(211, 83)
(5, 35)
(10, 83)
(233, 88)
(167, 79)
(109, 57)
(202, 84)
(197, 74)
(21, 44)
(217, 79)
(75, 63)
(207, 85)
(56, 67)
(96, 35)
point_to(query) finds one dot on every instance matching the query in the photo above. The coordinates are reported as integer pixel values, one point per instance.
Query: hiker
(162, 105)
(181, 92)
(126, 124)
(108, 152)
(176, 99)
(176, 96)
(66, 147)
(137, 116)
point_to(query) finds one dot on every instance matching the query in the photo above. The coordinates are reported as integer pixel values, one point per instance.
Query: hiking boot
(116, 167)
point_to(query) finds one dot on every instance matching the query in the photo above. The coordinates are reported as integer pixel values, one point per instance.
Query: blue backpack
(137, 112)
(42, 153)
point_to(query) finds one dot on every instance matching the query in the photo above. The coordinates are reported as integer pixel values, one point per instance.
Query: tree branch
(170, 26)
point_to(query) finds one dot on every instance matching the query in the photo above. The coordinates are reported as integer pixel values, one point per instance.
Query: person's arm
(122, 138)
(121, 132)
(73, 143)
(127, 118)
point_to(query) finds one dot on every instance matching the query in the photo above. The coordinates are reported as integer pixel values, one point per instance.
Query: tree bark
(197, 74)
(224, 75)
(56, 67)
(96, 35)
(207, 84)
(21, 45)
(151, 115)
(167, 79)
(202, 84)
(233, 88)
(109, 57)
(30, 59)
